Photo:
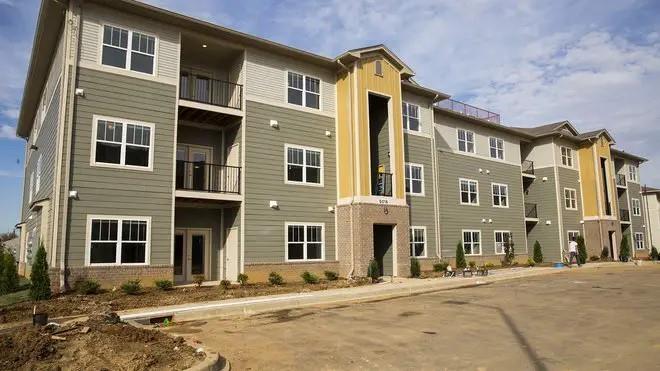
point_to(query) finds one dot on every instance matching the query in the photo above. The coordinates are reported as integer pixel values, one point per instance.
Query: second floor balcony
(624, 215)
(207, 181)
(205, 90)
(621, 180)
(383, 186)
(527, 168)
(531, 212)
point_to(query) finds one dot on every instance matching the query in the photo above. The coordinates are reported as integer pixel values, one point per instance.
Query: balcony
(624, 215)
(531, 213)
(469, 110)
(383, 186)
(201, 89)
(621, 181)
(527, 168)
(203, 180)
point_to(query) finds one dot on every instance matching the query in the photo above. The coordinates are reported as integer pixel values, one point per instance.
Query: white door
(231, 254)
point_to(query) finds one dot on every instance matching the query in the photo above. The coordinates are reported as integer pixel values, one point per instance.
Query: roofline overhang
(420, 90)
(623, 154)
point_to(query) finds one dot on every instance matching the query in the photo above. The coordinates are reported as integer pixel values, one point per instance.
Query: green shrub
(441, 266)
(198, 279)
(87, 286)
(530, 262)
(489, 265)
(275, 279)
(40, 288)
(582, 249)
(225, 284)
(594, 258)
(460, 256)
(242, 279)
(331, 276)
(509, 253)
(131, 287)
(538, 253)
(310, 278)
(164, 285)
(8, 274)
(373, 271)
(604, 255)
(472, 264)
(654, 253)
(415, 269)
(624, 252)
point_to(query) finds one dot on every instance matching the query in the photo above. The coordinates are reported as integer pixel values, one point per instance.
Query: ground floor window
(573, 235)
(304, 241)
(472, 242)
(118, 240)
(418, 242)
(502, 238)
(639, 241)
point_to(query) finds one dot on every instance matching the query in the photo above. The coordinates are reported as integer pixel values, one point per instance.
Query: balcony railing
(383, 186)
(469, 110)
(205, 177)
(621, 180)
(528, 167)
(530, 211)
(624, 215)
(209, 91)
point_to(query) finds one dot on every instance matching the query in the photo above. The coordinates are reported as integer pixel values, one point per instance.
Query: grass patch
(15, 297)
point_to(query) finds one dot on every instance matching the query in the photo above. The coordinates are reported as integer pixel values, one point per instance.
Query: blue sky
(596, 63)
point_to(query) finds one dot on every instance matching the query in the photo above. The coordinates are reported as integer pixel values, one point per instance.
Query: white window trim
(426, 243)
(568, 234)
(286, 242)
(641, 240)
(474, 141)
(480, 240)
(574, 199)
(571, 157)
(119, 219)
(638, 207)
(633, 175)
(286, 163)
(304, 90)
(492, 195)
(124, 122)
(495, 241)
(406, 126)
(128, 49)
(491, 147)
(31, 188)
(423, 192)
(39, 166)
(460, 199)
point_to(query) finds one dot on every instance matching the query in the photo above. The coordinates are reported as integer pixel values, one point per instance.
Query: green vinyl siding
(543, 193)
(419, 150)
(570, 218)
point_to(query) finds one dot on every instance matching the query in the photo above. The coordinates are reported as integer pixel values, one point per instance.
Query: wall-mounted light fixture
(274, 124)
(273, 205)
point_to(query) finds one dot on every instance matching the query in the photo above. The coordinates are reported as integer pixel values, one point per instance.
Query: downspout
(434, 161)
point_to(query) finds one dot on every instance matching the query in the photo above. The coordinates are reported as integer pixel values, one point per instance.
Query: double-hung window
(566, 156)
(128, 49)
(496, 148)
(118, 240)
(469, 191)
(636, 207)
(573, 235)
(37, 182)
(418, 242)
(465, 141)
(639, 240)
(502, 238)
(632, 173)
(500, 195)
(414, 179)
(123, 143)
(304, 241)
(410, 116)
(303, 90)
(570, 199)
(472, 242)
(304, 165)
(31, 189)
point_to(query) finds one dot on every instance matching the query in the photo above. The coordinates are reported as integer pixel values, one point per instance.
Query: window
(304, 241)
(117, 42)
(573, 235)
(502, 238)
(118, 240)
(639, 240)
(636, 207)
(303, 90)
(500, 195)
(418, 242)
(465, 141)
(410, 116)
(31, 189)
(37, 184)
(566, 156)
(122, 143)
(632, 173)
(304, 165)
(570, 199)
(378, 67)
(472, 242)
(496, 148)
(414, 179)
(469, 192)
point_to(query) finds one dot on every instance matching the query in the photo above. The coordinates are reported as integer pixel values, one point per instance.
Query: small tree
(373, 271)
(509, 252)
(415, 269)
(8, 274)
(624, 252)
(605, 253)
(582, 249)
(654, 253)
(538, 253)
(40, 288)
(460, 256)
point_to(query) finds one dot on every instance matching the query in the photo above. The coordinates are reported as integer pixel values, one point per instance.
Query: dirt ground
(581, 319)
(73, 304)
(102, 342)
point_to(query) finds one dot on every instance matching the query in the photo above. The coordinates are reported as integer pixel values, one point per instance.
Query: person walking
(572, 250)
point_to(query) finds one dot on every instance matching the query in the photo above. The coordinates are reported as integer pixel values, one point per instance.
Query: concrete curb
(213, 362)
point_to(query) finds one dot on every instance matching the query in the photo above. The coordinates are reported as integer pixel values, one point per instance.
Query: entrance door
(383, 251)
(179, 256)
(231, 254)
(191, 254)
(196, 171)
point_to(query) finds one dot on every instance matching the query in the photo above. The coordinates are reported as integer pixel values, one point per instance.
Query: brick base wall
(110, 277)
(289, 271)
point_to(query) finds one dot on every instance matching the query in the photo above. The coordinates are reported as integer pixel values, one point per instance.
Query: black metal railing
(206, 90)
(621, 180)
(205, 177)
(624, 215)
(528, 167)
(531, 211)
(469, 110)
(383, 186)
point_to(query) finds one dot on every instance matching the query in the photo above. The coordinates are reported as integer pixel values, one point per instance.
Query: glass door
(199, 245)
(179, 256)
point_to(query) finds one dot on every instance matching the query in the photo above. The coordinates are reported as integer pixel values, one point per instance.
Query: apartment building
(163, 147)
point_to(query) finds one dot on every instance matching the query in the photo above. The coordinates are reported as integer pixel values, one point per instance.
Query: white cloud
(11, 113)
(7, 132)
(9, 174)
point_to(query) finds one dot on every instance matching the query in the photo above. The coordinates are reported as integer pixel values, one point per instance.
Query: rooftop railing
(469, 110)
